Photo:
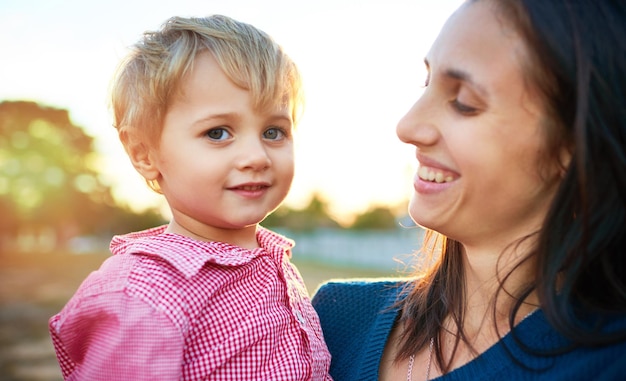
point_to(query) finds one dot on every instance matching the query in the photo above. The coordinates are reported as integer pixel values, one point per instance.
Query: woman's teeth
(432, 175)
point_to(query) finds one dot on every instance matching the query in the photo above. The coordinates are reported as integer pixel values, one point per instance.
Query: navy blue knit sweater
(357, 317)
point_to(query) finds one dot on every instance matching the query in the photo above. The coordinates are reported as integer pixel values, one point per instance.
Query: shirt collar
(188, 255)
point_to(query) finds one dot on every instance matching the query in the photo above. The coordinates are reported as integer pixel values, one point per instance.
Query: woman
(520, 136)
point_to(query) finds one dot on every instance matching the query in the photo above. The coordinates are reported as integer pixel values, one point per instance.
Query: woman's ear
(565, 157)
(141, 154)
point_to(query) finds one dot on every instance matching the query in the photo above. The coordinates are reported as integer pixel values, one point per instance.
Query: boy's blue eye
(273, 133)
(217, 134)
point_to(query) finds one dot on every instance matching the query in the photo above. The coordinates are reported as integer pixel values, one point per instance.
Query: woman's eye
(463, 108)
(274, 133)
(217, 134)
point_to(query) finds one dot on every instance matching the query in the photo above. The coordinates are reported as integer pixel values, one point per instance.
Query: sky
(361, 62)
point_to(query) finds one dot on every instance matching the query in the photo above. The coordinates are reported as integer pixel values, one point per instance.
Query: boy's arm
(122, 339)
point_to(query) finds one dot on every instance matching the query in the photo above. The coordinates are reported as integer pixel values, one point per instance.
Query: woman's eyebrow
(460, 75)
(464, 76)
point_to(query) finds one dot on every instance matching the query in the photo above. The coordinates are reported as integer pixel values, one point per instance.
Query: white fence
(385, 250)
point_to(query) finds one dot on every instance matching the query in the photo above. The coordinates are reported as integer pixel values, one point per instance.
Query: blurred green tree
(313, 216)
(48, 176)
(377, 218)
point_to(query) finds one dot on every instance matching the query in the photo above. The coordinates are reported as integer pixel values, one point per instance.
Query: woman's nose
(418, 126)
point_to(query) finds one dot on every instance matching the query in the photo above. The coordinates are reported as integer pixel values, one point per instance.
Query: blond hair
(149, 77)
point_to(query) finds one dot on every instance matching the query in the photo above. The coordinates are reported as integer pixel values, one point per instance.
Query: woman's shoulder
(358, 298)
(357, 316)
(363, 284)
(351, 289)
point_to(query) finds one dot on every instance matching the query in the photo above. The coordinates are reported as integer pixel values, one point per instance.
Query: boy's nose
(254, 155)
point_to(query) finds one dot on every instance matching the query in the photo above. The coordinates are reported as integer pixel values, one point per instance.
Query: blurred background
(66, 186)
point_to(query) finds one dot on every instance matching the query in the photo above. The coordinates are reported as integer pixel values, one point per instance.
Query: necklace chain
(409, 373)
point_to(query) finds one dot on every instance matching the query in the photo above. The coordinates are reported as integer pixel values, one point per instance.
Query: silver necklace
(409, 373)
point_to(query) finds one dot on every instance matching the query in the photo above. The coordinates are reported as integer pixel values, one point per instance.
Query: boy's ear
(140, 154)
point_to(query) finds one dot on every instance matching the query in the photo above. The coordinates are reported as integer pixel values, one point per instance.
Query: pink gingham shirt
(167, 307)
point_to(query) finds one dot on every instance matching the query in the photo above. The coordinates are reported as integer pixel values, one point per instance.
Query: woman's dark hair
(578, 64)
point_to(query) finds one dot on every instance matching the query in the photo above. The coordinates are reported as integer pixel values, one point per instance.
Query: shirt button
(300, 317)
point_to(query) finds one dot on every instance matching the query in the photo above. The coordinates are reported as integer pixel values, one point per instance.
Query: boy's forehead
(277, 97)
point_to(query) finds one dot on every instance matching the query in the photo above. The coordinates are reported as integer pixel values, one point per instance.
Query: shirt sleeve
(119, 338)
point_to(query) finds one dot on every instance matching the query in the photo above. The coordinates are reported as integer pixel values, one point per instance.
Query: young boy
(205, 109)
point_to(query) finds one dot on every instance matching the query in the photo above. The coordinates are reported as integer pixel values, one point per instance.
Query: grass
(35, 286)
